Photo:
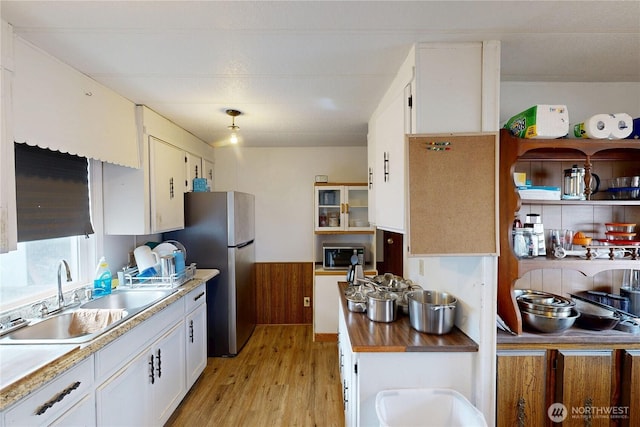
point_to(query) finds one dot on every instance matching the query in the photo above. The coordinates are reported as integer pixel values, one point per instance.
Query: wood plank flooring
(280, 378)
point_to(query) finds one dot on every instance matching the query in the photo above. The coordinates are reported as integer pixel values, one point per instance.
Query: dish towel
(88, 321)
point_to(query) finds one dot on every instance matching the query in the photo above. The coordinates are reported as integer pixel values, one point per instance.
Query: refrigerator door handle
(242, 245)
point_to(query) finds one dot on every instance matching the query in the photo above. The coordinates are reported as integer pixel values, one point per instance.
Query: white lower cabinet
(326, 299)
(195, 334)
(82, 414)
(147, 390)
(62, 399)
(364, 374)
(138, 379)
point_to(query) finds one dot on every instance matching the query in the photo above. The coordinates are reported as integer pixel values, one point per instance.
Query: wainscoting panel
(280, 291)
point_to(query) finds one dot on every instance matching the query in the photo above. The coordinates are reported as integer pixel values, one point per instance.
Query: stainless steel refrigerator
(220, 233)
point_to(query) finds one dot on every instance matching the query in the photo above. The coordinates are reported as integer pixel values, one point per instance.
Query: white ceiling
(310, 73)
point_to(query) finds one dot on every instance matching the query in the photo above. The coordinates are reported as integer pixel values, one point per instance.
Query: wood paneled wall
(280, 291)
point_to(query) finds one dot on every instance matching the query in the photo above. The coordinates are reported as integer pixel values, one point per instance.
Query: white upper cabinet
(150, 199)
(440, 88)
(341, 208)
(167, 174)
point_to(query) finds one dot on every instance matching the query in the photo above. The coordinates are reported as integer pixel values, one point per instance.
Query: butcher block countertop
(398, 336)
(25, 368)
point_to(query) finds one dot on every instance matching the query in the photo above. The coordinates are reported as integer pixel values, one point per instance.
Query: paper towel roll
(621, 125)
(595, 127)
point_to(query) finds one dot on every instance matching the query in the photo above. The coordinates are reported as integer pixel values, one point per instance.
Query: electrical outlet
(421, 267)
(307, 302)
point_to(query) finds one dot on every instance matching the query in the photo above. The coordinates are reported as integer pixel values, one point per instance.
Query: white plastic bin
(423, 407)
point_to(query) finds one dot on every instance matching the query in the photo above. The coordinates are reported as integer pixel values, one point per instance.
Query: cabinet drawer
(54, 399)
(195, 298)
(112, 357)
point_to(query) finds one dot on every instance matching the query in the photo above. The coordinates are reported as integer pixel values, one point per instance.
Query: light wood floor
(280, 378)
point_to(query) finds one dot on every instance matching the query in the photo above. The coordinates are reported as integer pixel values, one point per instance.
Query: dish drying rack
(132, 280)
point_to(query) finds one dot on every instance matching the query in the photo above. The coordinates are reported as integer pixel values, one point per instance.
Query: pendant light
(234, 129)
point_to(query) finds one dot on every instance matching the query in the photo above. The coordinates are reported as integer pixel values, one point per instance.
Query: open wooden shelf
(513, 149)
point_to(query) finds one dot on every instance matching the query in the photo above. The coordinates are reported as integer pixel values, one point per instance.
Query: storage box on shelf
(544, 152)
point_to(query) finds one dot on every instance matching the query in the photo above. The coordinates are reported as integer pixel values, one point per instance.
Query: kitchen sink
(128, 299)
(88, 321)
(72, 327)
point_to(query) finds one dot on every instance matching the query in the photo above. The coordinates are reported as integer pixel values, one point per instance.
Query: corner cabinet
(621, 156)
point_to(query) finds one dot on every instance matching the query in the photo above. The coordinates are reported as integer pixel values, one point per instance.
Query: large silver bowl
(549, 323)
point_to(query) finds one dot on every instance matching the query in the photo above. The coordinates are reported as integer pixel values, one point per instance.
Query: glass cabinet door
(356, 209)
(329, 208)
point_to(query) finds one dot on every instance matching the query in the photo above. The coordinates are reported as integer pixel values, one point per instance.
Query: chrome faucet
(60, 294)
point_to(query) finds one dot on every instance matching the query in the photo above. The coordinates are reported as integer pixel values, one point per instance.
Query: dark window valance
(52, 194)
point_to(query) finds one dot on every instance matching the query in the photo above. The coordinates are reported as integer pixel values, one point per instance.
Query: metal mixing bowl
(548, 323)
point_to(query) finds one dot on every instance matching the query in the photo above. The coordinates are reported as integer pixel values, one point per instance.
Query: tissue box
(540, 121)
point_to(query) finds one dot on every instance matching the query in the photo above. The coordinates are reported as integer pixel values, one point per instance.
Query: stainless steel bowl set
(546, 312)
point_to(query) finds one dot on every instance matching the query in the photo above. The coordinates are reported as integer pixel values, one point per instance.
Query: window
(51, 189)
(30, 273)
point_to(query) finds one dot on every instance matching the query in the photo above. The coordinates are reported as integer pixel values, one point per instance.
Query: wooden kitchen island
(378, 356)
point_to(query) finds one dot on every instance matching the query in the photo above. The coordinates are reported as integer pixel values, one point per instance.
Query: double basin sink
(89, 320)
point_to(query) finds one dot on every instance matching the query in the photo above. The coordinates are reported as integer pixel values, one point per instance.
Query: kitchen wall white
(282, 180)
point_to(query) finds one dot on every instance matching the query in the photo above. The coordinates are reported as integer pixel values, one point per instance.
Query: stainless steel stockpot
(381, 306)
(432, 312)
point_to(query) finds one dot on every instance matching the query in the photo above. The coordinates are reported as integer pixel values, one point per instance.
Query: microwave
(338, 256)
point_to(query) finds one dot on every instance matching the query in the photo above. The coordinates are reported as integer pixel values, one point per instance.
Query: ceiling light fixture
(234, 129)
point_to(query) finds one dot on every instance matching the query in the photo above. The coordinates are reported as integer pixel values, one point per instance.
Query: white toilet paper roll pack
(621, 125)
(595, 127)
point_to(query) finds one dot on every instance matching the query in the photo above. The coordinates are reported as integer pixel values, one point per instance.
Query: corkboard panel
(452, 194)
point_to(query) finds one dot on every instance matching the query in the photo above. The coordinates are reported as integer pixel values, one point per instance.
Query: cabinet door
(196, 339)
(448, 87)
(329, 208)
(193, 169)
(522, 381)
(169, 385)
(326, 301)
(452, 194)
(356, 207)
(82, 414)
(124, 400)
(583, 384)
(389, 181)
(167, 186)
(630, 395)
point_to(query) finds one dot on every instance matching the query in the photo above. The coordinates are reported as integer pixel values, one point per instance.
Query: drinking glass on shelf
(567, 243)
